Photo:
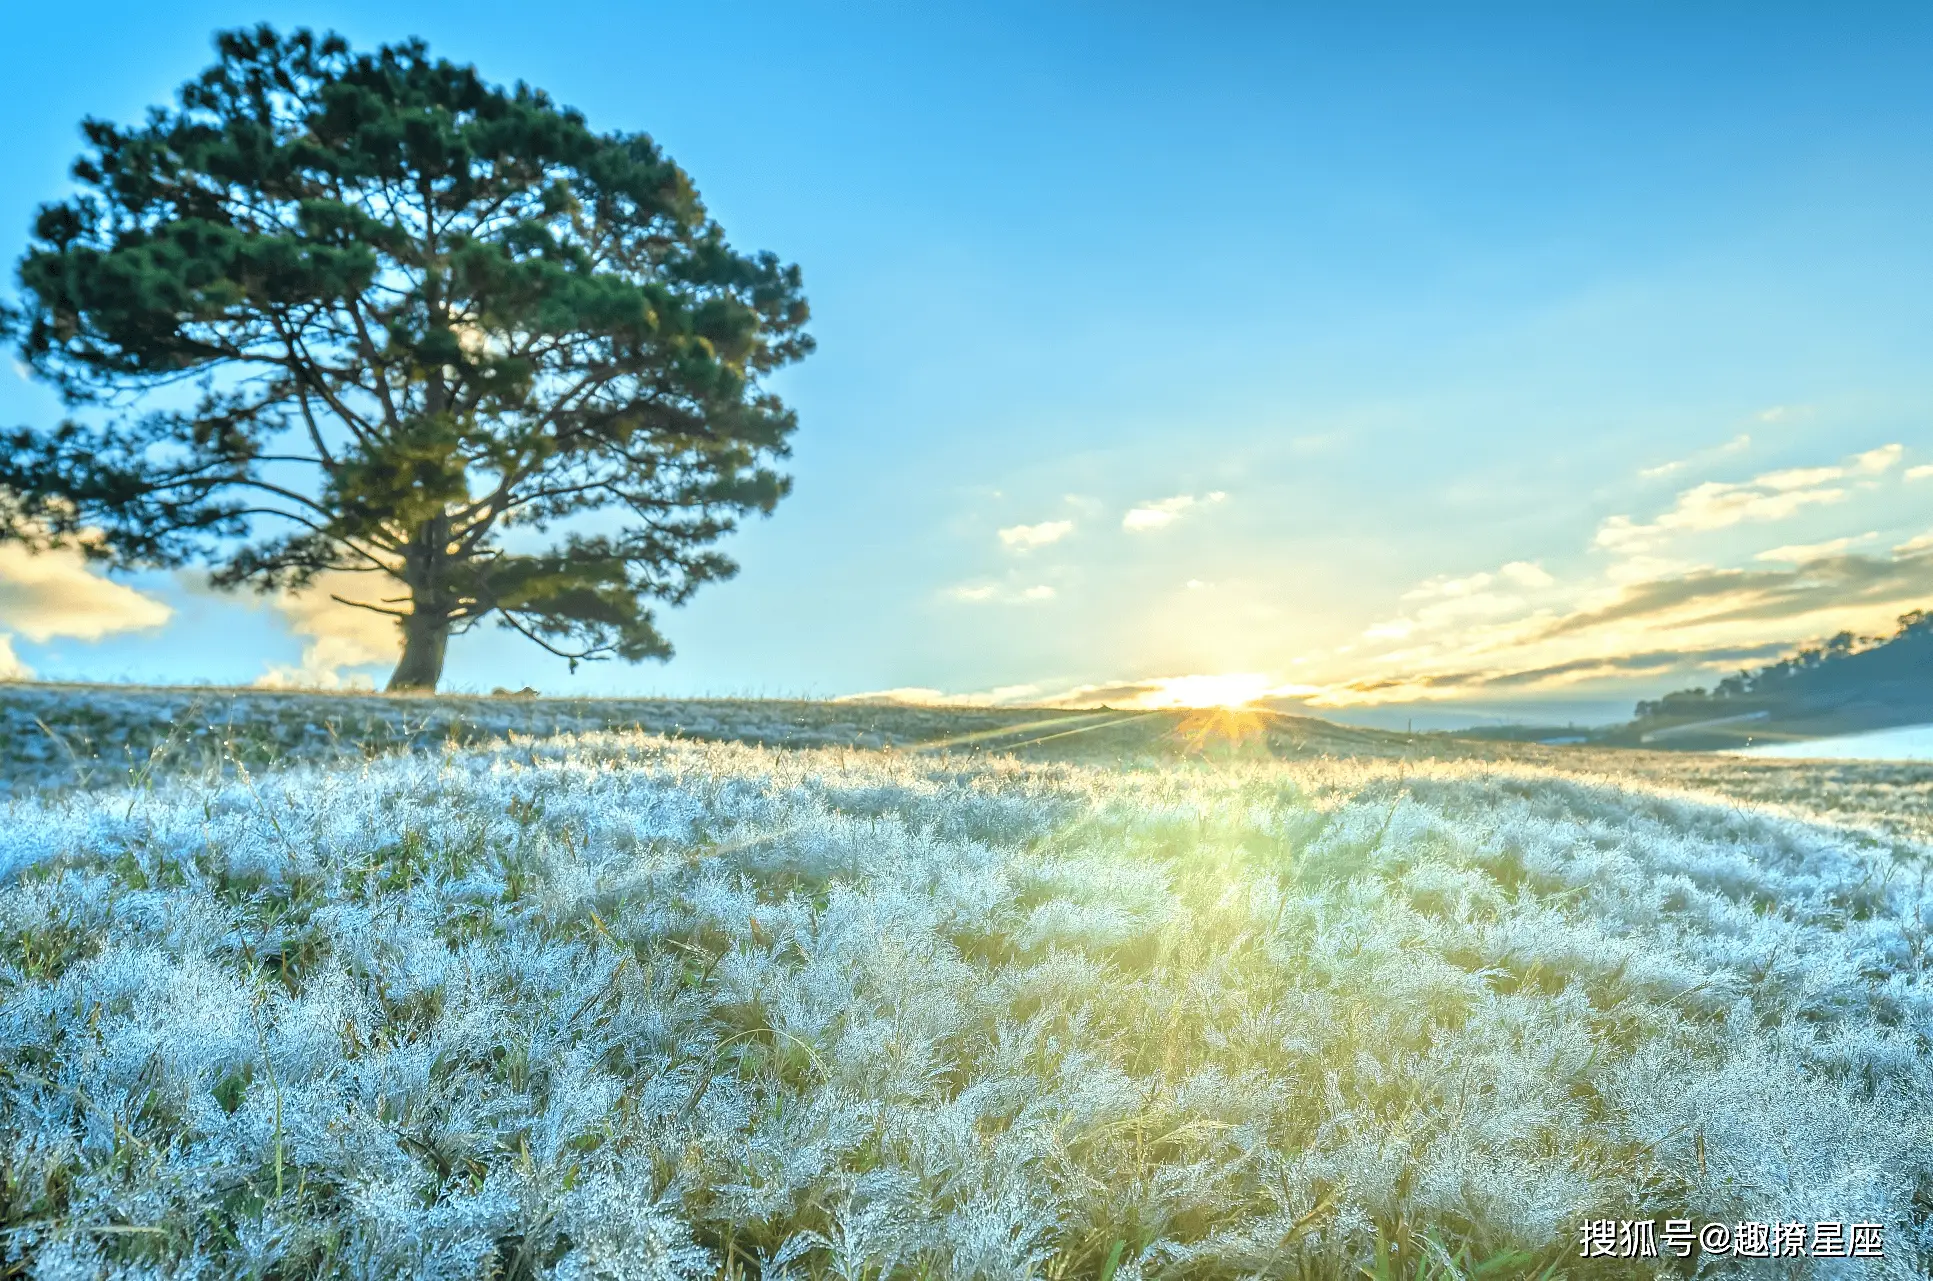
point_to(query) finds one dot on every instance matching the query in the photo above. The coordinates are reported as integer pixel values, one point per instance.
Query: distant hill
(1846, 685)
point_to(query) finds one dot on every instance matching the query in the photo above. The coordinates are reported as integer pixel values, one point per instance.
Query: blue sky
(1460, 361)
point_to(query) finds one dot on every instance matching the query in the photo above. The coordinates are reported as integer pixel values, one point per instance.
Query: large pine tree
(367, 314)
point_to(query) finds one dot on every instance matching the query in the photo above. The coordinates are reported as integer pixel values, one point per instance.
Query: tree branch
(590, 655)
(374, 609)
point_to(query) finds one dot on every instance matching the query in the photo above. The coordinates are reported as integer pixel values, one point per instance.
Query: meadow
(306, 985)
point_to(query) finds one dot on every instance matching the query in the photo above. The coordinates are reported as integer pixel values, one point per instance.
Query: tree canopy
(1841, 666)
(364, 314)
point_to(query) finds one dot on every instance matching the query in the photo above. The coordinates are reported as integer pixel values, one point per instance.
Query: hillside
(1845, 685)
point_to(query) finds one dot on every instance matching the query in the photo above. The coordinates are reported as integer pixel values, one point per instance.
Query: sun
(1221, 715)
(1233, 689)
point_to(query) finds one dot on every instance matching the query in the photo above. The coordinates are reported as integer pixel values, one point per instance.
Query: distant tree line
(1838, 667)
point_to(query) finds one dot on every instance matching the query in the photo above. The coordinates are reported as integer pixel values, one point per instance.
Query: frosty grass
(614, 1005)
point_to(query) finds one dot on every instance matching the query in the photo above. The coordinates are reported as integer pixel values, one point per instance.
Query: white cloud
(1433, 588)
(1799, 553)
(1918, 543)
(56, 594)
(1717, 506)
(1736, 444)
(925, 696)
(340, 636)
(1772, 496)
(1164, 512)
(11, 668)
(1792, 478)
(1450, 602)
(1526, 574)
(1518, 573)
(994, 594)
(1025, 537)
(1921, 472)
(1875, 461)
(1157, 515)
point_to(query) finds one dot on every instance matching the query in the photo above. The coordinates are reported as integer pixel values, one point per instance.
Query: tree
(343, 313)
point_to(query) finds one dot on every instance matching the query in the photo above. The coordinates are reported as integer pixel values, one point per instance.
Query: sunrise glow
(1234, 689)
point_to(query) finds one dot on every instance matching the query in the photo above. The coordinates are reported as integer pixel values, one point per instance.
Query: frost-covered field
(63, 735)
(617, 1005)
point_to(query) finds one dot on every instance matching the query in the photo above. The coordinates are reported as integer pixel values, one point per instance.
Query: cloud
(1525, 574)
(1518, 573)
(1157, 515)
(340, 636)
(925, 696)
(1737, 444)
(11, 668)
(1712, 506)
(1487, 641)
(1451, 601)
(1918, 543)
(1433, 588)
(1026, 537)
(1471, 681)
(1649, 616)
(1394, 629)
(56, 594)
(1164, 512)
(1921, 472)
(1799, 553)
(1714, 596)
(1772, 496)
(996, 594)
(1875, 461)
(1649, 663)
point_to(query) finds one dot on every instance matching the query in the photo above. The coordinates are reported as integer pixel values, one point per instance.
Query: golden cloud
(340, 636)
(50, 594)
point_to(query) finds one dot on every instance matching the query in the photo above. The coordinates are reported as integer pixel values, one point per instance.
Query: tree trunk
(425, 638)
